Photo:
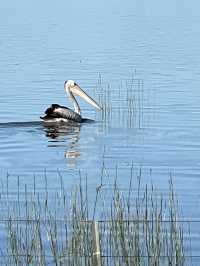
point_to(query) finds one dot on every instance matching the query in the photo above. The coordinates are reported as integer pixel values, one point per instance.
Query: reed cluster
(123, 104)
(134, 227)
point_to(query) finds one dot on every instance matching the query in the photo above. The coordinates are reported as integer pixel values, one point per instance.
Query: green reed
(135, 227)
(122, 103)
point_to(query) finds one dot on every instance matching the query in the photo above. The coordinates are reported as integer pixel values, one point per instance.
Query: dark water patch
(40, 123)
(21, 124)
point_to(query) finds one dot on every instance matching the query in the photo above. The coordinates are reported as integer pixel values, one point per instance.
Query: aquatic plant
(122, 106)
(135, 227)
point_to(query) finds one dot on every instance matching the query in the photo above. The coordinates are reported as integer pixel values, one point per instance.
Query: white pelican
(57, 113)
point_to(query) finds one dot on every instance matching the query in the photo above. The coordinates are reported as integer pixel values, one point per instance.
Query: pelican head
(72, 88)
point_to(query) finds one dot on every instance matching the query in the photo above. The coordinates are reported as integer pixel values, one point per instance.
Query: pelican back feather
(58, 111)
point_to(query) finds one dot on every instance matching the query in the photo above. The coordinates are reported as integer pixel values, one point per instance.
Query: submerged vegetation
(139, 227)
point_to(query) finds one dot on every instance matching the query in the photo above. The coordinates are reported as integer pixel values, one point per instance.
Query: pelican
(57, 113)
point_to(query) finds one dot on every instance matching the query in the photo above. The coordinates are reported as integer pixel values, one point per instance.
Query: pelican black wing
(58, 111)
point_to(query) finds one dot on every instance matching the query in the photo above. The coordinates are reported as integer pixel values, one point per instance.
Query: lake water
(146, 51)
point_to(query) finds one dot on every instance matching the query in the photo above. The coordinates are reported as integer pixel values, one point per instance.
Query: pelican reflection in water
(65, 135)
(61, 114)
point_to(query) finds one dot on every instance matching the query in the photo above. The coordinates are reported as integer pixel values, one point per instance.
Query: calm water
(149, 48)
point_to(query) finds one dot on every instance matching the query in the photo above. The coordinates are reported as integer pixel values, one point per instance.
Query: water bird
(61, 114)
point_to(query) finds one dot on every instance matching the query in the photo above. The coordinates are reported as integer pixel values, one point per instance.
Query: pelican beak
(78, 91)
